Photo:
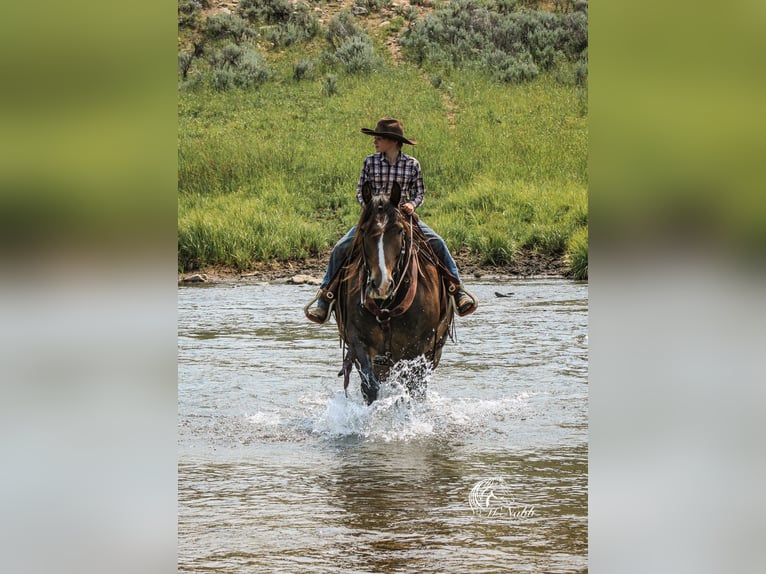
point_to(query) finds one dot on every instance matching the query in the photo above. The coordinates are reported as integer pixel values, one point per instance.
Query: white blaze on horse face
(382, 263)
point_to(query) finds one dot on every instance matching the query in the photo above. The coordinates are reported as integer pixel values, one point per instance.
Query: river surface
(279, 471)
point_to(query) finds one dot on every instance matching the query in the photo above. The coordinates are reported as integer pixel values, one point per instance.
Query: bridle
(383, 312)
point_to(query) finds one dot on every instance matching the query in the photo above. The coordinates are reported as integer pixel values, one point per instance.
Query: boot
(319, 313)
(465, 303)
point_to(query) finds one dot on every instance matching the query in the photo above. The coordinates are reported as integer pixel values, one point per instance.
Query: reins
(406, 260)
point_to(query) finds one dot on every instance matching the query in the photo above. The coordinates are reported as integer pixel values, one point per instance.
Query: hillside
(272, 95)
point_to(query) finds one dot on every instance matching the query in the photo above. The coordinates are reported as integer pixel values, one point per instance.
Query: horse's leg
(370, 384)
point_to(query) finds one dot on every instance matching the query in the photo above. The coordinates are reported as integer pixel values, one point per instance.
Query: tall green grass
(271, 173)
(577, 254)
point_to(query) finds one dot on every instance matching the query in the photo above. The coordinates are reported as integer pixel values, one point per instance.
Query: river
(279, 471)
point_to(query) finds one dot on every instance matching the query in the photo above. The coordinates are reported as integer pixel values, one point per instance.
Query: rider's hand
(408, 208)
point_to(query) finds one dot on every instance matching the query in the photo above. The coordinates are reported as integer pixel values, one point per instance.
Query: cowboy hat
(391, 129)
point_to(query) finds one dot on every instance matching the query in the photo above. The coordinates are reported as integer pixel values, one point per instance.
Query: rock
(359, 10)
(196, 278)
(304, 280)
(383, 23)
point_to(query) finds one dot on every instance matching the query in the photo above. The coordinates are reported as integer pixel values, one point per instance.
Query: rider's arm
(363, 177)
(417, 189)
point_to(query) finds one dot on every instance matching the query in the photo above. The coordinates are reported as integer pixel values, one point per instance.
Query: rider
(382, 169)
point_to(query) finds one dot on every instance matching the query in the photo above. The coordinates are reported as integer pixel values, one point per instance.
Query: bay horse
(392, 303)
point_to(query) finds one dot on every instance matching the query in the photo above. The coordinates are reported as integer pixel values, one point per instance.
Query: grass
(577, 254)
(270, 173)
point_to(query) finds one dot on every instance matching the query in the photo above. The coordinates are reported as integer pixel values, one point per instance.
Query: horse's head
(382, 230)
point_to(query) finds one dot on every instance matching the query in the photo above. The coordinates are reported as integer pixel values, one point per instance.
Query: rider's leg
(337, 256)
(440, 248)
(319, 313)
(465, 303)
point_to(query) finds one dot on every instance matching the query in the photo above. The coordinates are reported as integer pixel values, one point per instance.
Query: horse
(393, 304)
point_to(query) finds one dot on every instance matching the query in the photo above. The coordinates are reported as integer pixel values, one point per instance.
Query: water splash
(402, 414)
(396, 416)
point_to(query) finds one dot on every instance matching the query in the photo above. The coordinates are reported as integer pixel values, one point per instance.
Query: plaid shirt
(382, 176)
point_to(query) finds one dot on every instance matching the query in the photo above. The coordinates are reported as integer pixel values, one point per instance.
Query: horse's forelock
(378, 210)
(377, 215)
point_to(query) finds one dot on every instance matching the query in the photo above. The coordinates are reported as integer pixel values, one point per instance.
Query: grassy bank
(269, 172)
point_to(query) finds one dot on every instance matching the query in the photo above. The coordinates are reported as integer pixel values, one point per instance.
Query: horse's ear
(366, 192)
(396, 194)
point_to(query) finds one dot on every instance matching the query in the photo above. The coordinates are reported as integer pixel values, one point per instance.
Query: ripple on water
(279, 471)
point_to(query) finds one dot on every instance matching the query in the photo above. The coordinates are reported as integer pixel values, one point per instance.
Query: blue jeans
(341, 248)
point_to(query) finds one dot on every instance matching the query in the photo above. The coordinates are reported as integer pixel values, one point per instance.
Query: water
(280, 472)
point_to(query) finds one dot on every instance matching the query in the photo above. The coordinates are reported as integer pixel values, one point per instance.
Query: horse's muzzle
(384, 291)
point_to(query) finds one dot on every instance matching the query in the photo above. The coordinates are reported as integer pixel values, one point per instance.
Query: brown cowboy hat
(391, 129)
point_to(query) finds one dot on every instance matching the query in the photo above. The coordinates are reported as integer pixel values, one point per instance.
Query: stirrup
(453, 289)
(329, 295)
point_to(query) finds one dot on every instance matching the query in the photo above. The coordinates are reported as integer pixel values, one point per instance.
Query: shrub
(410, 13)
(395, 24)
(222, 79)
(513, 70)
(303, 70)
(373, 5)
(276, 11)
(231, 54)
(506, 6)
(224, 25)
(188, 6)
(511, 45)
(192, 83)
(330, 85)
(341, 27)
(542, 46)
(185, 60)
(357, 55)
(275, 35)
(269, 11)
(237, 66)
(575, 35)
(288, 24)
(304, 18)
(188, 13)
(249, 9)
(252, 70)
